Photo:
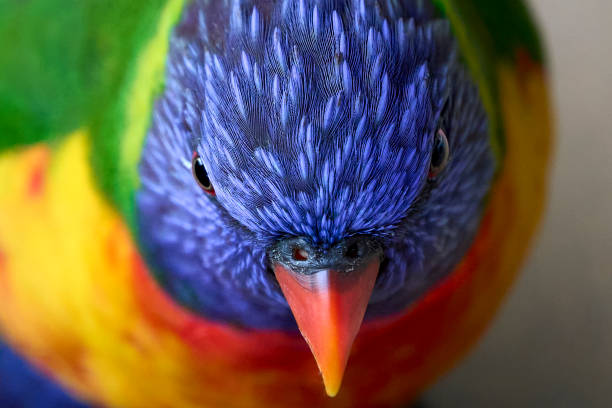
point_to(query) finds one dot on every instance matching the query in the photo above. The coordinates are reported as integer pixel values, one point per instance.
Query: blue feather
(23, 386)
(314, 118)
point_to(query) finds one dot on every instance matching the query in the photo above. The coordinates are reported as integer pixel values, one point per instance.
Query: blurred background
(551, 345)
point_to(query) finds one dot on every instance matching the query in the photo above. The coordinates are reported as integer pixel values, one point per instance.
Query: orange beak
(329, 306)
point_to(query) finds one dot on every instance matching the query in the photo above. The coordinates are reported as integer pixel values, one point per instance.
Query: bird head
(309, 160)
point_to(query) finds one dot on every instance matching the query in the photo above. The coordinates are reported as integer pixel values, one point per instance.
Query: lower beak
(329, 306)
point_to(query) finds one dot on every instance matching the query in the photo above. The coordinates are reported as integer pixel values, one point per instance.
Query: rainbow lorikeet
(189, 190)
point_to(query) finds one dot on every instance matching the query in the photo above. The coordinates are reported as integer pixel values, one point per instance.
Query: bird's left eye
(439, 154)
(201, 175)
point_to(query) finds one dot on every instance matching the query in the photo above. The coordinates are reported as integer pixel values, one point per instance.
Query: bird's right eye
(201, 175)
(440, 153)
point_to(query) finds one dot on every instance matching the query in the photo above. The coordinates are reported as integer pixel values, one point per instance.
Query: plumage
(315, 121)
(358, 193)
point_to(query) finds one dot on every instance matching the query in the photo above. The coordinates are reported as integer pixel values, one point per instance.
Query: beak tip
(329, 314)
(332, 389)
(332, 379)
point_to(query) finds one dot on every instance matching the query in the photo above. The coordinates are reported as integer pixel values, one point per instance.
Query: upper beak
(328, 297)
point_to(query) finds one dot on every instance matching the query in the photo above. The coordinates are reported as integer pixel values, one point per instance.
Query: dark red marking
(3, 267)
(36, 184)
(4, 276)
(525, 66)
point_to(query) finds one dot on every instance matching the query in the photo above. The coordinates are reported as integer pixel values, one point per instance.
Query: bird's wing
(91, 65)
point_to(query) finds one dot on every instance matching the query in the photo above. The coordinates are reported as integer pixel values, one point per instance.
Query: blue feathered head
(315, 122)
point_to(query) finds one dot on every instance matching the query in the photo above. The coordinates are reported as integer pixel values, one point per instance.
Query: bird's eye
(200, 174)
(440, 153)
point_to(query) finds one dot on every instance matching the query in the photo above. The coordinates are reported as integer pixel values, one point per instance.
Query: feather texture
(82, 305)
(331, 139)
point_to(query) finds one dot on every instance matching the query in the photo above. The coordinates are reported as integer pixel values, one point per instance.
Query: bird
(249, 203)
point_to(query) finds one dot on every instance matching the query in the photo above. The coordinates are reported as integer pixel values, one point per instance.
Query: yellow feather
(67, 297)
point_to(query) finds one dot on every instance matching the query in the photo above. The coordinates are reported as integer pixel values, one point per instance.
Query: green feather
(77, 64)
(42, 91)
(119, 131)
(98, 65)
(491, 33)
(511, 28)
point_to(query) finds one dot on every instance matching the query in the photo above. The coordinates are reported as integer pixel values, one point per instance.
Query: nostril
(352, 252)
(300, 254)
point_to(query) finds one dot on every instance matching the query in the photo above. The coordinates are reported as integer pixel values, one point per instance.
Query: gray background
(551, 345)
